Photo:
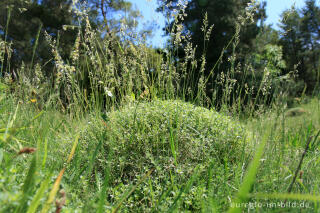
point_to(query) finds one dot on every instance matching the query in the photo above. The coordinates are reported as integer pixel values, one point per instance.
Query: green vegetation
(101, 122)
(171, 137)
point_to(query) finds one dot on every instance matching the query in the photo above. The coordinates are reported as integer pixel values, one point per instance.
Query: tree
(290, 32)
(113, 16)
(232, 33)
(300, 37)
(310, 30)
(223, 14)
(27, 19)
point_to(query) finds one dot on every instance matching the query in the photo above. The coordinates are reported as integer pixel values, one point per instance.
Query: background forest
(243, 47)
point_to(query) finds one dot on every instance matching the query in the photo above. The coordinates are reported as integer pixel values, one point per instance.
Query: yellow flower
(33, 100)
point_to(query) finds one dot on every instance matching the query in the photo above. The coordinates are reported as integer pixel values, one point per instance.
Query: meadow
(123, 128)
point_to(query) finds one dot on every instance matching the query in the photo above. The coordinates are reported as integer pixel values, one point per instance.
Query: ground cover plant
(105, 123)
(170, 138)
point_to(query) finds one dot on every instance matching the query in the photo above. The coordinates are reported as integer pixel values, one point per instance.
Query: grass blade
(185, 190)
(292, 196)
(30, 176)
(36, 200)
(53, 191)
(250, 177)
(28, 185)
(56, 184)
(105, 185)
(130, 191)
(45, 153)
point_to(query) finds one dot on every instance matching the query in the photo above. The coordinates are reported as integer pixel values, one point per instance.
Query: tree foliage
(224, 16)
(300, 38)
(234, 25)
(28, 20)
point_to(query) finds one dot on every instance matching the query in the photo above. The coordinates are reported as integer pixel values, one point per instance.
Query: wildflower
(108, 92)
(33, 100)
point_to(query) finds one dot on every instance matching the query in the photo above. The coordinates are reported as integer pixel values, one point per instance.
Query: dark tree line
(234, 32)
(292, 51)
(28, 20)
(223, 15)
(300, 39)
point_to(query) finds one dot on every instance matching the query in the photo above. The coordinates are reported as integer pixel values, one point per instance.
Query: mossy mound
(170, 137)
(169, 134)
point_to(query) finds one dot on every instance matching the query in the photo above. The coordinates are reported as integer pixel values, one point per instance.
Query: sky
(147, 7)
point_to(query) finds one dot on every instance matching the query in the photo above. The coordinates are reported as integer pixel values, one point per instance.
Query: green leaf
(28, 185)
(1, 155)
(250, 177)
(56, 184)
(184, 190)
(40, 194)
(130, 191)
(45, 153)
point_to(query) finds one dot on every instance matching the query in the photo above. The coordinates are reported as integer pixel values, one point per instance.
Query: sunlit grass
(133, 130)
